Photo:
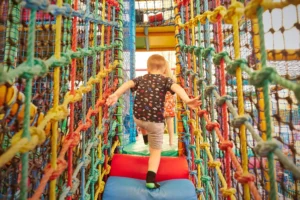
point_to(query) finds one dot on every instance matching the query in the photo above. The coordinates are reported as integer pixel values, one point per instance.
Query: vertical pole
(132, 65)
(225, 128)
(267, 112)
(73, 78)
(241, 111)
(28, 94)
(56, 78)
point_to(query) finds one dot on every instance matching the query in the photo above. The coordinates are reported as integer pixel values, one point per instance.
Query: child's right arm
(112, 99)
(192, 103)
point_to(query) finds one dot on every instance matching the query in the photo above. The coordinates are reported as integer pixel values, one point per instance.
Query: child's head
(156, 63)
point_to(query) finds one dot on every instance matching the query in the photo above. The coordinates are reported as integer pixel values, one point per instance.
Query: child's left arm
(112, 99)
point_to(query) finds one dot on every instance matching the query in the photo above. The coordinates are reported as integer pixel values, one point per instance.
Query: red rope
(114, 3)
(70, 141)
(73, 78)
(224, 106)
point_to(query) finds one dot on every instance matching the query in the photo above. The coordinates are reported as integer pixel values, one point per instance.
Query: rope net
(243, 143)
(59, 60)
(154, 13)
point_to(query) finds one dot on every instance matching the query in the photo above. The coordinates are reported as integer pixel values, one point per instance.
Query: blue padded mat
(120, 188)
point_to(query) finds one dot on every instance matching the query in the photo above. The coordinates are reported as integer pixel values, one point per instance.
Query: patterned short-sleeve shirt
(150, 95)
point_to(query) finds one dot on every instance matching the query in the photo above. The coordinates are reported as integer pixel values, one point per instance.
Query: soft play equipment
(122, 188)
(136, 167)
(128, 173)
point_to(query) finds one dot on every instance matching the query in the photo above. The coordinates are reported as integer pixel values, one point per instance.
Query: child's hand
(111, 100)
(194, 103)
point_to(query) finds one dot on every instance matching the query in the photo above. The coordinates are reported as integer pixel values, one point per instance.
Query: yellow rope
(235, 16)
(196, 124)
(113, 148)
(236, 9)
(56, 78)
(179, 103)
(261, 103)
(100, 182)
(53, 115)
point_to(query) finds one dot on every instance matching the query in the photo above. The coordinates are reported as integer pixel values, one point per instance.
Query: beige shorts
(155, 132)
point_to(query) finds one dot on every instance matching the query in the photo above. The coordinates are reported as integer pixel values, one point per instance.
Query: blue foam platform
(120, 188)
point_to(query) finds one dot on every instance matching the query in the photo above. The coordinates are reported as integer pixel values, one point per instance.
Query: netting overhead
(154, 13)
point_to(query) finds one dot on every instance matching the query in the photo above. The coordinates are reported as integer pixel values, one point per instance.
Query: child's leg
(170, 127)
(141, 127)
(154, 159)
(155, 134)
(153, 165)
(145, 135)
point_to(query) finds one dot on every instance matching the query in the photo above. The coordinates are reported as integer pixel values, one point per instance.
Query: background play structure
(60, 59)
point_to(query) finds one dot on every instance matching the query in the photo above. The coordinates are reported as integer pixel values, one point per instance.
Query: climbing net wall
(59, 60)
(243, 59)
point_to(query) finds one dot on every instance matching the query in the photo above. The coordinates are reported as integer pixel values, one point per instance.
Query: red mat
(132, 166)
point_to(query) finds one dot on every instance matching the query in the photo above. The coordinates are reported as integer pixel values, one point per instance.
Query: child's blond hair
(168, 72)
(156, 62)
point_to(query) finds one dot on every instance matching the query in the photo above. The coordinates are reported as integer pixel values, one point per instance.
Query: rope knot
(218, 57)
(217, 14)
(263, 148)
(210, 126)
(221, 100)
(38, 136)
(251, 9)
(259, 77)
(209, 89)
(40, 68)
(235, 10)
(100, 102)
(102, 185)
(198, 50)
(226, 192)
(201, 18)
(61, 166)
(197, 132)
(74, 138)
(201, 113)
(59, 113)
(208, 51)
(198, 161)
(244, 177)
(231, 68)
(74, 54)
(72, 98)
(214, 164)
(224, 145)
(205, 179)
(240, 120)
(204, 145)
(200, 190)
(200, 81)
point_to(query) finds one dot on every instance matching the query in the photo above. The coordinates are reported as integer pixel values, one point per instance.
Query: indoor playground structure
(61, 59)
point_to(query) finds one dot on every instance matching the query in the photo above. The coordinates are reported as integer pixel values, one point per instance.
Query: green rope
(120, 72)
(257, 78)
(266, 93)
(93, 128)
(41, 67)
(12, 35)
(198, 52)
(28, 94)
